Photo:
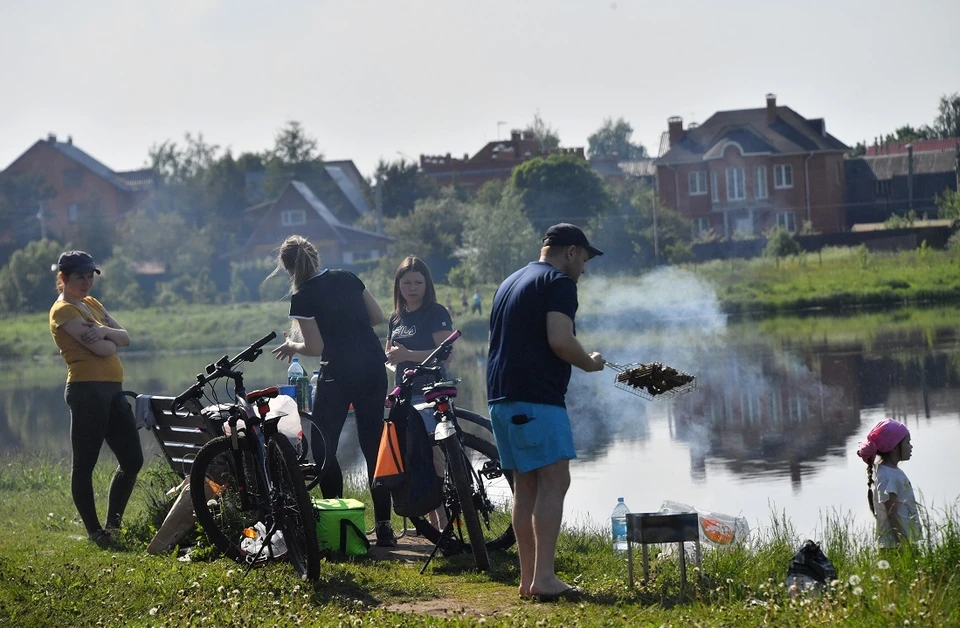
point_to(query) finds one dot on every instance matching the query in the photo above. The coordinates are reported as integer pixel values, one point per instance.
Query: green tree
(949, 205)
(780, 244)
(559, 188)
(28, 281)
(547, 137)
(947, 122)
(499, 240)
(118, 284)
(613, 138)
(403, 185)
(432, 230)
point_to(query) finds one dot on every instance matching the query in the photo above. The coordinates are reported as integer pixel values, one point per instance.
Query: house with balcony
(745, 171)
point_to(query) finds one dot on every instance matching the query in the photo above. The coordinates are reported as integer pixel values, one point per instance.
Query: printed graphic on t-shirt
(402, 331)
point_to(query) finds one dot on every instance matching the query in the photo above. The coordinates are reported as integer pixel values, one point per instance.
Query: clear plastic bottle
(618, 524)
(296, 376)
(295, 371)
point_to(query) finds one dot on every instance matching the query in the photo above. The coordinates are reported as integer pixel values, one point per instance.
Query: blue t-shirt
(521, 366)
(414, 330)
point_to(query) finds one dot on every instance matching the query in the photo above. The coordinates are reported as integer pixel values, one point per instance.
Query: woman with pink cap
(898, 520)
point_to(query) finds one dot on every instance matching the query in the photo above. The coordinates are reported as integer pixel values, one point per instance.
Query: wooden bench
(180, 435)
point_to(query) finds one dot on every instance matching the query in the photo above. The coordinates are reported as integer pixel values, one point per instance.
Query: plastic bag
(716, 528)
(809, 570)
(276, 548)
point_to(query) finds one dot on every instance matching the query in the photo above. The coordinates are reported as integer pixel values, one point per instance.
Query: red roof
(919, 146)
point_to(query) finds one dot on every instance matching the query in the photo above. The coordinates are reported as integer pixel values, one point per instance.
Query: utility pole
(499, 124)
(378, 203)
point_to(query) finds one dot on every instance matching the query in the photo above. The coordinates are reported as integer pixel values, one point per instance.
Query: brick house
(748, 170)
(895, 178)
(494, 162)
(84, 189)
(299, 211)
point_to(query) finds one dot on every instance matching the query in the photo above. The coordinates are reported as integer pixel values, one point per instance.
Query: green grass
(50, 577)
(836, 279)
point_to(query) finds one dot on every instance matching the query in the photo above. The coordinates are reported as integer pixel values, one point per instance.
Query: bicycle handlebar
(221, 367)
(441, 353)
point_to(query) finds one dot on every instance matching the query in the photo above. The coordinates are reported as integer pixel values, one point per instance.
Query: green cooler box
(340, 524)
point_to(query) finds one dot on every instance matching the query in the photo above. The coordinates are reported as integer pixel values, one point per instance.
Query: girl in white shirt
(890, 493)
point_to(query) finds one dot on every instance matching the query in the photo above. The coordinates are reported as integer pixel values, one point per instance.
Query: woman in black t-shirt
(418, 323)
(333, 314)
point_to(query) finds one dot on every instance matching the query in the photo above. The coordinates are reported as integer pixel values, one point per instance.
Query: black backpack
(417, 490)
(810, 561)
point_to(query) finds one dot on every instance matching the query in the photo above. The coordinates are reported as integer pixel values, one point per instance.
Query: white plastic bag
(281, 405)
(716, 529)
(276, 548)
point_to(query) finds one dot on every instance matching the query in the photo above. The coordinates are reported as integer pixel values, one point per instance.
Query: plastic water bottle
(618, 523)
(296, 376)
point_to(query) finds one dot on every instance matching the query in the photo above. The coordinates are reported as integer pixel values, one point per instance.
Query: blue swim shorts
(531, 435)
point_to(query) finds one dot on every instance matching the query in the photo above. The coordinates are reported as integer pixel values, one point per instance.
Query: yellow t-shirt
(83, 365)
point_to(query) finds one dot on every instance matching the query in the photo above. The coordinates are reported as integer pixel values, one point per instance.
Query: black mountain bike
(478, 494)
(252, 476)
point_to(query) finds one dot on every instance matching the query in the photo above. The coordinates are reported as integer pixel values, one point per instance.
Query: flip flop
(572, 594)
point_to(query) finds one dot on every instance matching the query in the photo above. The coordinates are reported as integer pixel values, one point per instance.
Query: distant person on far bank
(88, 338)
(477, 307)
(532, 347)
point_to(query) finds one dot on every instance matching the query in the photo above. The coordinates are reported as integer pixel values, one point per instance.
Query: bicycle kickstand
(447, 532)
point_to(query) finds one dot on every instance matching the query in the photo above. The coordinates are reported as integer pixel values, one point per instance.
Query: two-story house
(748, 170)
(299, 211)
(83, 188)
(494, 162)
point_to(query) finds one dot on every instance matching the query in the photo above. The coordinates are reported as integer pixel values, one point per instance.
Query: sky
(385, 79)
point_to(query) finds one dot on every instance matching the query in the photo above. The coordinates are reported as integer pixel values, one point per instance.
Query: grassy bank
(49, 577)
(188, 327)
(834, 280)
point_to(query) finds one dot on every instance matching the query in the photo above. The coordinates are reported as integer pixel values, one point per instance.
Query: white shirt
(892, 480)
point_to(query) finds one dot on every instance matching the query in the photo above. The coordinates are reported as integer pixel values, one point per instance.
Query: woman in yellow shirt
(88, 337)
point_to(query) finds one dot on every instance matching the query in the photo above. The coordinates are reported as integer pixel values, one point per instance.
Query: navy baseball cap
(565, 234)
(76, 262)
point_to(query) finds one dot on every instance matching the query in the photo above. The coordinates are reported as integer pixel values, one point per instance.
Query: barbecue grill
(652, 381)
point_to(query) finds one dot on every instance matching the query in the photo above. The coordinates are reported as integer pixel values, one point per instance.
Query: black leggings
(365, 389)
(99, 412)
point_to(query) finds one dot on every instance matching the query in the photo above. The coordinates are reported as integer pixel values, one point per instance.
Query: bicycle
(252, 475)
(477, 493)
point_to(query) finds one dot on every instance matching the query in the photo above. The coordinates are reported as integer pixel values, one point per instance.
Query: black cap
(565, 234)
(76, 262)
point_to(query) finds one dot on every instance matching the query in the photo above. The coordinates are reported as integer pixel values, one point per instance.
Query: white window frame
(714, 190)
(782, 172)
(73, 213)
(736, 184)
(293, 217)
(788, 221)
(760, 182)
(700, 225)
(697, 182)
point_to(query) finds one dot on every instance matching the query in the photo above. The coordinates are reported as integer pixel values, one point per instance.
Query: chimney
(771, 108)
(909, 176)
(51, 137)
(515, 135)
(70, 140)
(528, 135)
(675, 129)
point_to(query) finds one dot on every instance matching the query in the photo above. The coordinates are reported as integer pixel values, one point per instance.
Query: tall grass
(50, 575)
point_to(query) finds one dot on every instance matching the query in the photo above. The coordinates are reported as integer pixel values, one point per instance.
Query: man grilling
(532, 347)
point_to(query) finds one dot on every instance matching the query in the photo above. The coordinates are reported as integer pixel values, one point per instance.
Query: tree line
(195, 217)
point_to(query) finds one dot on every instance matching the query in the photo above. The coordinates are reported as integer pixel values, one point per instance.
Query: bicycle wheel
(215, 484)
(494, 494)
(313, 451)
(292, 507)
(464, 485)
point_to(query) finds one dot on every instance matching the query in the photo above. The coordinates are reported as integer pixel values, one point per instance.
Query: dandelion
(858, 590)
(221, 589)
(154, 610)
(882, 564)
(891, 608)
(854, 580)
(230, 573)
